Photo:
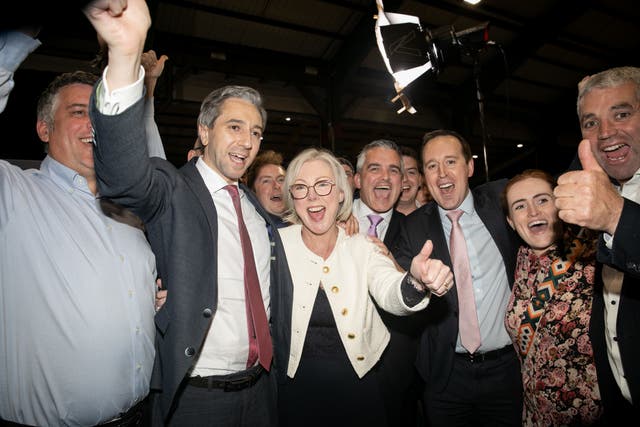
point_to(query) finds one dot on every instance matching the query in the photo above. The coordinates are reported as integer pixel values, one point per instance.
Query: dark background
(316, 62)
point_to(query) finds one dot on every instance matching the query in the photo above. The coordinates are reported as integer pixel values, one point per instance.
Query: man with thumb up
(605, 196)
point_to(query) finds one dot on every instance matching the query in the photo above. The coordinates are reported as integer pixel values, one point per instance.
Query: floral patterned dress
(548, 321)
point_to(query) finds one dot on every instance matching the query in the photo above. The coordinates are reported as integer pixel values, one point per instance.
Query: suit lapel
(196, 183)
(391, 237)
(440, 247)
(436, 234)
(500, 233)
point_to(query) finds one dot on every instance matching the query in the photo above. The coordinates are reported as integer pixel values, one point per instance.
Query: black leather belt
(489, 355)
(232, 382)
(131, 418)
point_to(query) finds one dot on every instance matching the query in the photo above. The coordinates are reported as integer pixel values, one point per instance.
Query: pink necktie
(260, 347)
(374, 220)
(468, 318)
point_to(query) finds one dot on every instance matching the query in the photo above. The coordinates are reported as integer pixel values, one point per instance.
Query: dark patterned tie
(260, 347)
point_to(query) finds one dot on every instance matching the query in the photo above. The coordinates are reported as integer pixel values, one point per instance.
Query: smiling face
(411, 180)
(533, 214)
(69, 136)
(349, 172)
(609, 118)
(446, 171)
(268, 188)
(318, 214)
(380, 179)
(233, 141)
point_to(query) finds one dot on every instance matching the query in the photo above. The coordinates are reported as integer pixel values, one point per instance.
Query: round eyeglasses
(300, 191)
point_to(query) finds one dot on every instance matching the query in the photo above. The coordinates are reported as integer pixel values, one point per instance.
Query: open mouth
(276, 198)
(446, 188)
(538, 225)
(88, 140)
(316, 213)
(382, 190)
(237, 158)
(616, 152)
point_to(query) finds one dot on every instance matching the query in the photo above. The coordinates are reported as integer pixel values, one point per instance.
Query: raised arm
(123, 168)
(123, 25)
(153, 67)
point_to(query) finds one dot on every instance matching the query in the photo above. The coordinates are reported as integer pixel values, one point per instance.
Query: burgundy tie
(468, 320)
(260, 347)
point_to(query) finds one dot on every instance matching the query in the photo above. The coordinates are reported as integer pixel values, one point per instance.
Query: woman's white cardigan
(354, 272)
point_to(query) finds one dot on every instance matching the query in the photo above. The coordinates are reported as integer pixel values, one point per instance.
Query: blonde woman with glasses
(337, 335)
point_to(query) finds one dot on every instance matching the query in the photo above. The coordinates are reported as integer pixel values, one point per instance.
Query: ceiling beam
(253, 18)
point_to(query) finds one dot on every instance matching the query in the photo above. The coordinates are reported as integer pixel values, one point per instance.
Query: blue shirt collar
(66, 178)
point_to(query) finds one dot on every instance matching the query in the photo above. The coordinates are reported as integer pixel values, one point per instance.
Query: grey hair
(48, 100)
(210, 107)
(338, 172)
(609, 78)
(378, 143)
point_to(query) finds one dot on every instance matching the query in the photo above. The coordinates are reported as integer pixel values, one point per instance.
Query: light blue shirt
(76, 302)
(490, 283)
(14, 48)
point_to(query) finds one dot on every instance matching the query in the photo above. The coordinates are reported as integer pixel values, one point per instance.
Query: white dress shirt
(226, 347)
(361, 210)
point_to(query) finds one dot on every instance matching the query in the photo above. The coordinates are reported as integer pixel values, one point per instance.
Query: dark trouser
(479, 393)
(617, 410)
(253, 406)
(400, 383)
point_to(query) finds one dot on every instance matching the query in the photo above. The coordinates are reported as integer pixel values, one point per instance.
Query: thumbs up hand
(587, 159)
(587, 197)
(433, 274)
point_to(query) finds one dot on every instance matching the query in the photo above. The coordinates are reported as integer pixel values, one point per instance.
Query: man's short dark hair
(466, 148)
(267, 157)
(345, 161)
(49, 96)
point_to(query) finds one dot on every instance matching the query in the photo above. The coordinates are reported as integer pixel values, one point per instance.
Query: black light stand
(483, 127)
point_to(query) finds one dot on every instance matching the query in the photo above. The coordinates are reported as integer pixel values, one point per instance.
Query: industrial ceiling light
(472, 1)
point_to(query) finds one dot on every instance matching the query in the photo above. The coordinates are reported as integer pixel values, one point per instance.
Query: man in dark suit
(605, 196)
(378, 177)
(481, 387)
(204, 371)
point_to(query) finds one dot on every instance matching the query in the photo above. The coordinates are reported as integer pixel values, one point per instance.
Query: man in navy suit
(202, 373)
(462, 388)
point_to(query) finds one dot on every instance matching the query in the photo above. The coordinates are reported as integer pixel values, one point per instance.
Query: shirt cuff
(112, 103)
